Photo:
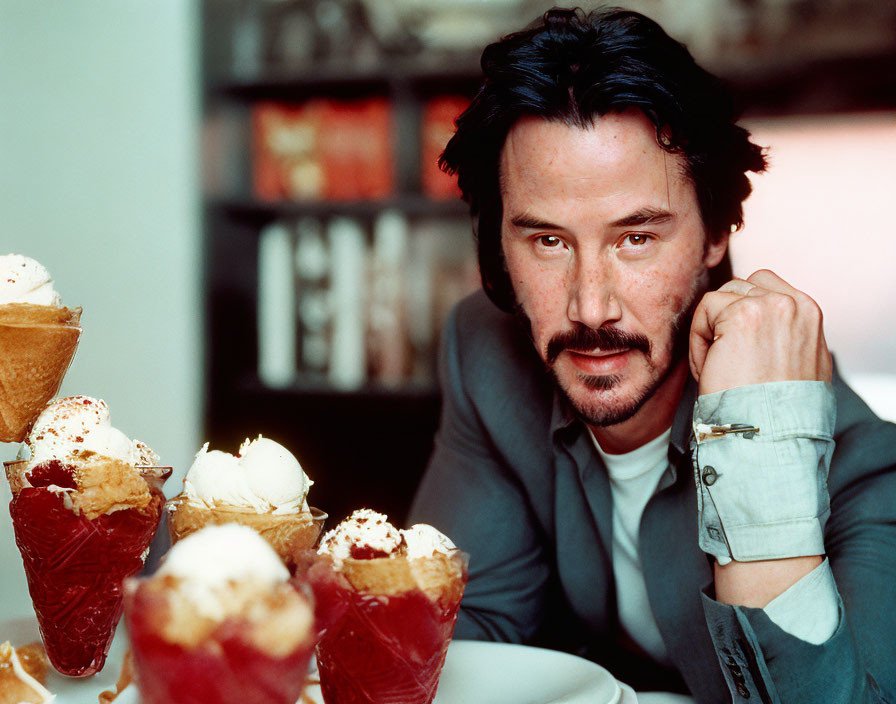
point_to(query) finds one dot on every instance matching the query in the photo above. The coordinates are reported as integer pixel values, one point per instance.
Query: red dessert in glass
(81, 530)
(386, 622)
(252, 646)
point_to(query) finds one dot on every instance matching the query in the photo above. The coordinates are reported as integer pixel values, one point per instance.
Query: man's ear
(715, 250)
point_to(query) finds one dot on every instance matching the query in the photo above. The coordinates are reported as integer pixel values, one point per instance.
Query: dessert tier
(287, 533)
(225, 666)
(37, 344)
(75, 565)
(382, 647)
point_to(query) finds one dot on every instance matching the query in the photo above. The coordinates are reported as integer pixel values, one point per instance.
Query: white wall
(99, 181)
(822, 218)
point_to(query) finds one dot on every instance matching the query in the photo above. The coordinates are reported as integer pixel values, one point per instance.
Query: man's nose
(593, 299)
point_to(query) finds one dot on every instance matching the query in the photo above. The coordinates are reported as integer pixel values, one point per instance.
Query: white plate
(499, 673)
(475, 673)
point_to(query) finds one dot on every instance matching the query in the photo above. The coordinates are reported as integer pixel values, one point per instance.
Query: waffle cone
(37, 344)
(104, 484)
(441, 577)
(285, 532)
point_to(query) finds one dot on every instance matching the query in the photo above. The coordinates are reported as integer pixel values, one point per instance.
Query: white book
(276, 307)
(348, 258)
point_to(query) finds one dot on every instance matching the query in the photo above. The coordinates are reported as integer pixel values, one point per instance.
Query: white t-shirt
(634, 477)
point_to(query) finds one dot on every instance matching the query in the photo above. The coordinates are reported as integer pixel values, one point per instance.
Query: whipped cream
(210, 560)
(369, 534)
(264, 476)
(24, 280)
(422, 540)
(76, 426)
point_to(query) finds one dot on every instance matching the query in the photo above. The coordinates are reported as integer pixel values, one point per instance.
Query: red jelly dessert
(386, 621)
(81, 531)
(221, 625)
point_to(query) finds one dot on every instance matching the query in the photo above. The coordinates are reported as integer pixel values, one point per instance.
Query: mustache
(585, 339)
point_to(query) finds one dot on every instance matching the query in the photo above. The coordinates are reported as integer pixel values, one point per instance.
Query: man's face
(607, 254)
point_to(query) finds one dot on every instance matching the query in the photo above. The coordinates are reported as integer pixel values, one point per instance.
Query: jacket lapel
(583, 492)
(676, 570)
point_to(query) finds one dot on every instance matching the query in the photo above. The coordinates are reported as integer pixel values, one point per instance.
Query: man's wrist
(761, 455)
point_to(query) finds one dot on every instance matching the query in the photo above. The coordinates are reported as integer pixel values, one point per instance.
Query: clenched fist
(757, 330)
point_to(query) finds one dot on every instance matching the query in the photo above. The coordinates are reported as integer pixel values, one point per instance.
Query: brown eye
(549, 241)
(637, 239)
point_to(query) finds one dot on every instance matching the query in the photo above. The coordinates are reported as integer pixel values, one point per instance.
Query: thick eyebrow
(525, 221)
(643, 217)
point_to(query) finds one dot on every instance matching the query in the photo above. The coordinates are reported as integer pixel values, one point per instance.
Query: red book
(323, 150)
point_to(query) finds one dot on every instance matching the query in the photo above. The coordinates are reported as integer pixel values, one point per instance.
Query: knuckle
(788, 304)
(751, 311)
(808, 308)
(783, 304)
(813, 310)
(759, 275)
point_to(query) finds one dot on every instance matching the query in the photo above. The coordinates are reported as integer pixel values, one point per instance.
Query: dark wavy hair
(573, 67)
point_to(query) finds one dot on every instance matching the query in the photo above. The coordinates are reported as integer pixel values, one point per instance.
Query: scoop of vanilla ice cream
(208, 561)
(422, 540)
(75, 425)
(216, 477)
(24, 280)
(274, 474)
(364, 528)
(372, 530)
(265, 476)
(108, 441)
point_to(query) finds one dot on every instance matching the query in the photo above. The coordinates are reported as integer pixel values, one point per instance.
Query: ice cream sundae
(387, 604)
(219, 622)
(263, 487)
(38, 338)
(86, 504)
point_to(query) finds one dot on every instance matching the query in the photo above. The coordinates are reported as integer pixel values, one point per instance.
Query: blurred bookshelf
(334, 249)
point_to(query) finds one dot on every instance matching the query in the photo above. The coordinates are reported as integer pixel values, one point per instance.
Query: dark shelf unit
(365, 447)
(335, 78)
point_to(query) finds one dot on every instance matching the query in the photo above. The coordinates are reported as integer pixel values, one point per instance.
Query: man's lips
(600, 362)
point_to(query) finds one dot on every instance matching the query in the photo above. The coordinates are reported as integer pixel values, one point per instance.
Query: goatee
(582, 338)
(600, 414)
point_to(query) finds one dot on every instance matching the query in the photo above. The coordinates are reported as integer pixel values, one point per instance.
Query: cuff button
(709, 475)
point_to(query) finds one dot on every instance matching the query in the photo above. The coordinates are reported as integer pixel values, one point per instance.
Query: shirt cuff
(810, 608)
(761, 455)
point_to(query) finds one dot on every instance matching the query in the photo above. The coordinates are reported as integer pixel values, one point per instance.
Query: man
(605, 174)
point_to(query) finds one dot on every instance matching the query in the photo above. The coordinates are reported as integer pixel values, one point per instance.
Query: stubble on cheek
(684, 307)
(535, 320)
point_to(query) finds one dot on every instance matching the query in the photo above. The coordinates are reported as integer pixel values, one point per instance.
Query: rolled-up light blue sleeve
(762, 493)
(790, 483)
(761, 459)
